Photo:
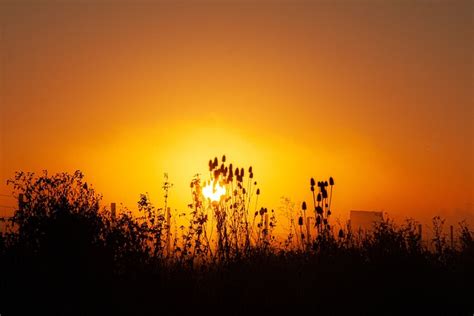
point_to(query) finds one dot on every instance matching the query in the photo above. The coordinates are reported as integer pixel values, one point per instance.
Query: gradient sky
(377, 94)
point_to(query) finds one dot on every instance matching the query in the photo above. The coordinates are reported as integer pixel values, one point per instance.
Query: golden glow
(360, 93)
(213, 191)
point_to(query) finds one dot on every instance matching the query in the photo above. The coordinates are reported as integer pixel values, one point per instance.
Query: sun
(213, 191)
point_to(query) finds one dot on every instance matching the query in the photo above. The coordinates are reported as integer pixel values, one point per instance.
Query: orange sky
(377, 94)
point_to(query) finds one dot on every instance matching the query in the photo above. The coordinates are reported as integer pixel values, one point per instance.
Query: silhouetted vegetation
(64, 254)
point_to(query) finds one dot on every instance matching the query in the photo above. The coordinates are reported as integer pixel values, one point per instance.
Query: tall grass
(227, 252)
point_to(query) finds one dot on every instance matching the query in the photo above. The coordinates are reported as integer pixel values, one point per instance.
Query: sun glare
(213, 191)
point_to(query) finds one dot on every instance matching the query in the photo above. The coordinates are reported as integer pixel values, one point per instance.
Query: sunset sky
(377, 94)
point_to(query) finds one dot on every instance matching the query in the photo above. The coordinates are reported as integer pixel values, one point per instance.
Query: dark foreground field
(64, 255)
(342, 283)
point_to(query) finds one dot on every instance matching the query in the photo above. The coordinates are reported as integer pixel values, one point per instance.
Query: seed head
(341, 233)
(325, 193)
(223, 158)
(312, 182)
(331, 181)
(303, 206)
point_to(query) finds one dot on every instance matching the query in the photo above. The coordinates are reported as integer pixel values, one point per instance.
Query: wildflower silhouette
(65, 254)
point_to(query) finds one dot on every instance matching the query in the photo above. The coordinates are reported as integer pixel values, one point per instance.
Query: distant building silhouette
(364, 220)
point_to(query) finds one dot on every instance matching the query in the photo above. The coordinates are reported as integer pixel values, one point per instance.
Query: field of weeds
(63, 253)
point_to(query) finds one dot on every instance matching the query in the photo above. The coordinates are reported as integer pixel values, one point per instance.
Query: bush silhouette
(64, 254)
